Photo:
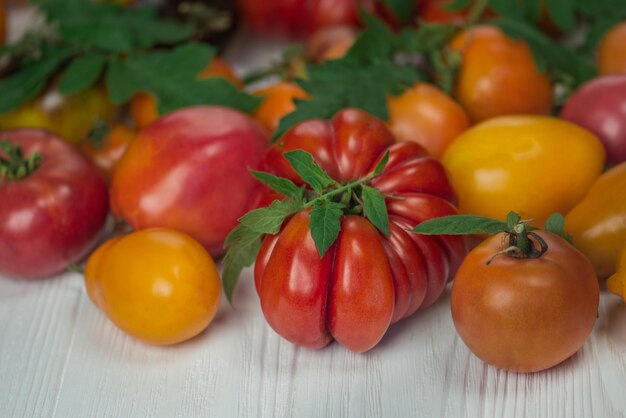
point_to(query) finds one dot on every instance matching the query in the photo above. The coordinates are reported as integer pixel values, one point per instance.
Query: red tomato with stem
(188, 171)
(366, 281)
(53, 204)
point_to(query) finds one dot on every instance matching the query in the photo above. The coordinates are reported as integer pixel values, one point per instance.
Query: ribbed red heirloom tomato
(52, 206)
(365, 281)
(188, 171)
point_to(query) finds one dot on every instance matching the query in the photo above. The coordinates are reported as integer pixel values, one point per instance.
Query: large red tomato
(365, 281)
(189, 171)
(51, 211)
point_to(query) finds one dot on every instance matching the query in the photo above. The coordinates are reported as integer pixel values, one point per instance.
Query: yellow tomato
(598, 223)
(617, 282)
(158, 285)
(534, 165)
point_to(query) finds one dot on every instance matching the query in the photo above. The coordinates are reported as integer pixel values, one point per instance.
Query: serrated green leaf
(430, 37)
(268, 220)
(325, 224)
(512, 219)
(81, 74)
(461, 225)
(310, 172)
(563, 13)
(17, 89)
(171, 76)
(556, 225)
(240, 254)
(375, 209)
(280, 185)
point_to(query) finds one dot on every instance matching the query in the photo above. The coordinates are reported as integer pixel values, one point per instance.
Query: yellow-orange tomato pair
(158, 285)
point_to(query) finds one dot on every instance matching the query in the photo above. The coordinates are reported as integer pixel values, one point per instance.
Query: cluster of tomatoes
(182, 181)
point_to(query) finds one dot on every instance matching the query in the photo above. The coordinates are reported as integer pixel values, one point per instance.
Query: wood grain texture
(60, 357)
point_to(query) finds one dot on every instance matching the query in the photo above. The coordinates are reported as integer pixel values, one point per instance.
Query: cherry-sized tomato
(525, 315)
(600, 106)
(189, 171)
(143, 106)
(598, 223)
(277, 103)
(534, 165)
(426, 115)
(331, 42)
(611, 58)
(498, 76)
(53, 204)
(157, 285)
(105, 151)
(365, 281)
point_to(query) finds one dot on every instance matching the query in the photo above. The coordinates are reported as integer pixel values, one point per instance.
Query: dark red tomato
(300, 17)
(189, 171)
(365, 281)
(51, 216)
(600, 106)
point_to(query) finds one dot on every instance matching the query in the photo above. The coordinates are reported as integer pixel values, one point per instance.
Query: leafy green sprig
(326, 199)
(88, 41)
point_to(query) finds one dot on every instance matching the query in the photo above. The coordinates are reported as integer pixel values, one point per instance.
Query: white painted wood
(60, 357)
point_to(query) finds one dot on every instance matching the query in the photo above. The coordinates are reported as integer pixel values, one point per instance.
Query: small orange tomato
(143, 107)
(331, 42)
(278, 102)
(158, 285)
(498, 76)
(106, 151)
(426, 115)
(612, 51)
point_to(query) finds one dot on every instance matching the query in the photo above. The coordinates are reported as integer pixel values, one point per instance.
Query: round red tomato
(365, 281)
(600, 106)
(50, 216)
(189, 171)
(525, 315)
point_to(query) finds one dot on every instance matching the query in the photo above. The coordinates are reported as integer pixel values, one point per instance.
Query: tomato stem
(16, 166)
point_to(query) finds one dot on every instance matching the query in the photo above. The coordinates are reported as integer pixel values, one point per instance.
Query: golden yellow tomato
(158, 285)
(534, 165)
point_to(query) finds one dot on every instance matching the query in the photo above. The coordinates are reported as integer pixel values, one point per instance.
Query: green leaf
(302, 162)
(280, 185)
(402, 9)
(268, 220)
(556, 225)
(171, 76)
(563, 13)
(241, 253)
(512, 219)
(430, 37)
(82, 73)
(375, 209)
(461, 225)
(26, 84)
(325, 224)
(380, 167)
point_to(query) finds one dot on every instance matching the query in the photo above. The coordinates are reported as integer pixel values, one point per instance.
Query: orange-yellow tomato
(158, 285)
(426, 115)
(106, 152)
(498, 76)
(277, 102)
(533, 165)
(612, 51)
(143, 107)
(617, 282)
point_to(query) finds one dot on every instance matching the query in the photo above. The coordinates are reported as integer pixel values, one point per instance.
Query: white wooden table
(60, 357)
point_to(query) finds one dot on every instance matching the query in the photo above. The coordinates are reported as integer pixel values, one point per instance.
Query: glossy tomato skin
(498, 76)
(533, 165)
(158, 285)
(52, 217)
(189, 171)
(106, 154)
(426, 115)
(600, 106)
(611, 58)
(365, 281)
(525, 315)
